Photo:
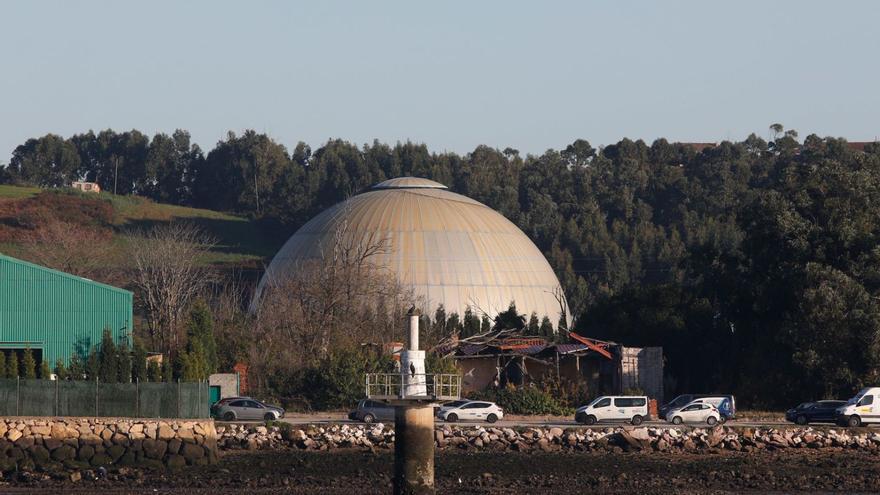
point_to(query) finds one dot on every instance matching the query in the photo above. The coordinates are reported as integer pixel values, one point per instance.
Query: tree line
(753, 263)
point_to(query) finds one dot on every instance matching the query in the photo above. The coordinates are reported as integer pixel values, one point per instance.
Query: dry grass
(756, 415)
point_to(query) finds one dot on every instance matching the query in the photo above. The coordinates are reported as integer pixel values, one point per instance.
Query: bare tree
(342, 299)
(169, 272)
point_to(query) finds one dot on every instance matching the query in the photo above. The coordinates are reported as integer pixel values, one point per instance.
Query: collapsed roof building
(598, 367)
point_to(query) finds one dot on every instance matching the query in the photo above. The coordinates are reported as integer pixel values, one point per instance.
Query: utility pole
(115, 173)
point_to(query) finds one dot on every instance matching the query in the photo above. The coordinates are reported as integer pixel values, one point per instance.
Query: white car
(449, 406)
(473, 410)
(695, 412)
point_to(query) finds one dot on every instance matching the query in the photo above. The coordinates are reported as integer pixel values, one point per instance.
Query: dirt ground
(352, 472)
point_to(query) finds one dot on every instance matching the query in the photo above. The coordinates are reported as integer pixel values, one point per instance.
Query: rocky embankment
(73, 444)
(232, 437)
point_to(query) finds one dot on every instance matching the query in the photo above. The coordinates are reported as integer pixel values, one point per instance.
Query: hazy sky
(529, 75)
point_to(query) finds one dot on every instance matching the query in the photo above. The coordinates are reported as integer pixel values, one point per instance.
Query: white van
(862, 409)
(614, 408)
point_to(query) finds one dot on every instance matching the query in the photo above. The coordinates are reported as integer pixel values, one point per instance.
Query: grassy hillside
(17, 192)
(240, 241)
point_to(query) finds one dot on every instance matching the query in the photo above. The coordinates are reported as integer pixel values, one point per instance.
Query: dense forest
(755, 264)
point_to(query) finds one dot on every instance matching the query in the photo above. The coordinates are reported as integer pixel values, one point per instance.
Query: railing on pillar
(393, 386)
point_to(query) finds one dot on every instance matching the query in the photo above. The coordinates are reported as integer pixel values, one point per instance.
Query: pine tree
(471, 323)
(12, 365)
(93, 365)
(123, 359)
(453, 324)
(534, 326)
(76, 369)
(167, 374)
(154, 372)
(546, 327)
(201, 348)
(2, 364)
(485, 325)
(60, 371)
(28, 365)
(138, 361)
(562, 324)
(45, 372)
(107, 358)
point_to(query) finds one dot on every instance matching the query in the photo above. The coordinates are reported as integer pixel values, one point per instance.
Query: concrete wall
(58, 444)
(476, 373)
(228, 383)
(642, 367)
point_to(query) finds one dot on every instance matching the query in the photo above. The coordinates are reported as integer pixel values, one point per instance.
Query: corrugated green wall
(52, 311)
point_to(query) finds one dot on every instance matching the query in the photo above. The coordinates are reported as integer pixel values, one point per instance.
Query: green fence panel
(36, 398)
(8, 397)
(89, 398)
(117, 399)
(158, 400)
(76, 398)
(192, 399)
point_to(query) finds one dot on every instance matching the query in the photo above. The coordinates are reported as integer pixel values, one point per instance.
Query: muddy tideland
(349, 472)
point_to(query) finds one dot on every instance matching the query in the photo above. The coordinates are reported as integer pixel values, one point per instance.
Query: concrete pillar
(414, 378)
(414, 450)
(414, 331)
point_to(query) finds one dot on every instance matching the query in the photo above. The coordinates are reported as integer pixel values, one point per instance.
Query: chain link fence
(23, 397)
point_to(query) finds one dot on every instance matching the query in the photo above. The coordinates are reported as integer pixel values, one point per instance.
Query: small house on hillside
(86, 186)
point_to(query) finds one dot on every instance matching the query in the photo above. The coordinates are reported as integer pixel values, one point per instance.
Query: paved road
(546, 424)
(517, 421)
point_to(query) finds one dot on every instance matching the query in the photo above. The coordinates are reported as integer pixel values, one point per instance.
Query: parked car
(727, 410)
(614, 408)
(677, 403)
(448, 406)
(862, 409)
(823, 411)
(247, 409)
(369, 411)
(226, 400)
(726, 404)
(472, 410)
(695, 412)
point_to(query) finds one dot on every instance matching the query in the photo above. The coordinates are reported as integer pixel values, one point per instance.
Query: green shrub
(437, 364)
(338, 380)
(525, 400)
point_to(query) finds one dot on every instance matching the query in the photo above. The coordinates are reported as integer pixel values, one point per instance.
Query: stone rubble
(611, 439)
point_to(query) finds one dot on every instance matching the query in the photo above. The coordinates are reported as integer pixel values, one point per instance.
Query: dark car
(369, 411)
(823, 411)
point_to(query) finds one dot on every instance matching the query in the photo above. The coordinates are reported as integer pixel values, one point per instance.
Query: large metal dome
(449, 248)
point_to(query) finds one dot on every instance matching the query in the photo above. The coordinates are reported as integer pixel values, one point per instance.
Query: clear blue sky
(529, 75)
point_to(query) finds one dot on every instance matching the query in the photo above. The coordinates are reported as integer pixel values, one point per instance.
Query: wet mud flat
(353, 472)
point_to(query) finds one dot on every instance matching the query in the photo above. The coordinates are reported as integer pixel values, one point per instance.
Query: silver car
(369, 411)
(245, 409)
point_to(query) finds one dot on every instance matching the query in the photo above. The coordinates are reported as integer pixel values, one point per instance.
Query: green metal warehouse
(53, 313)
